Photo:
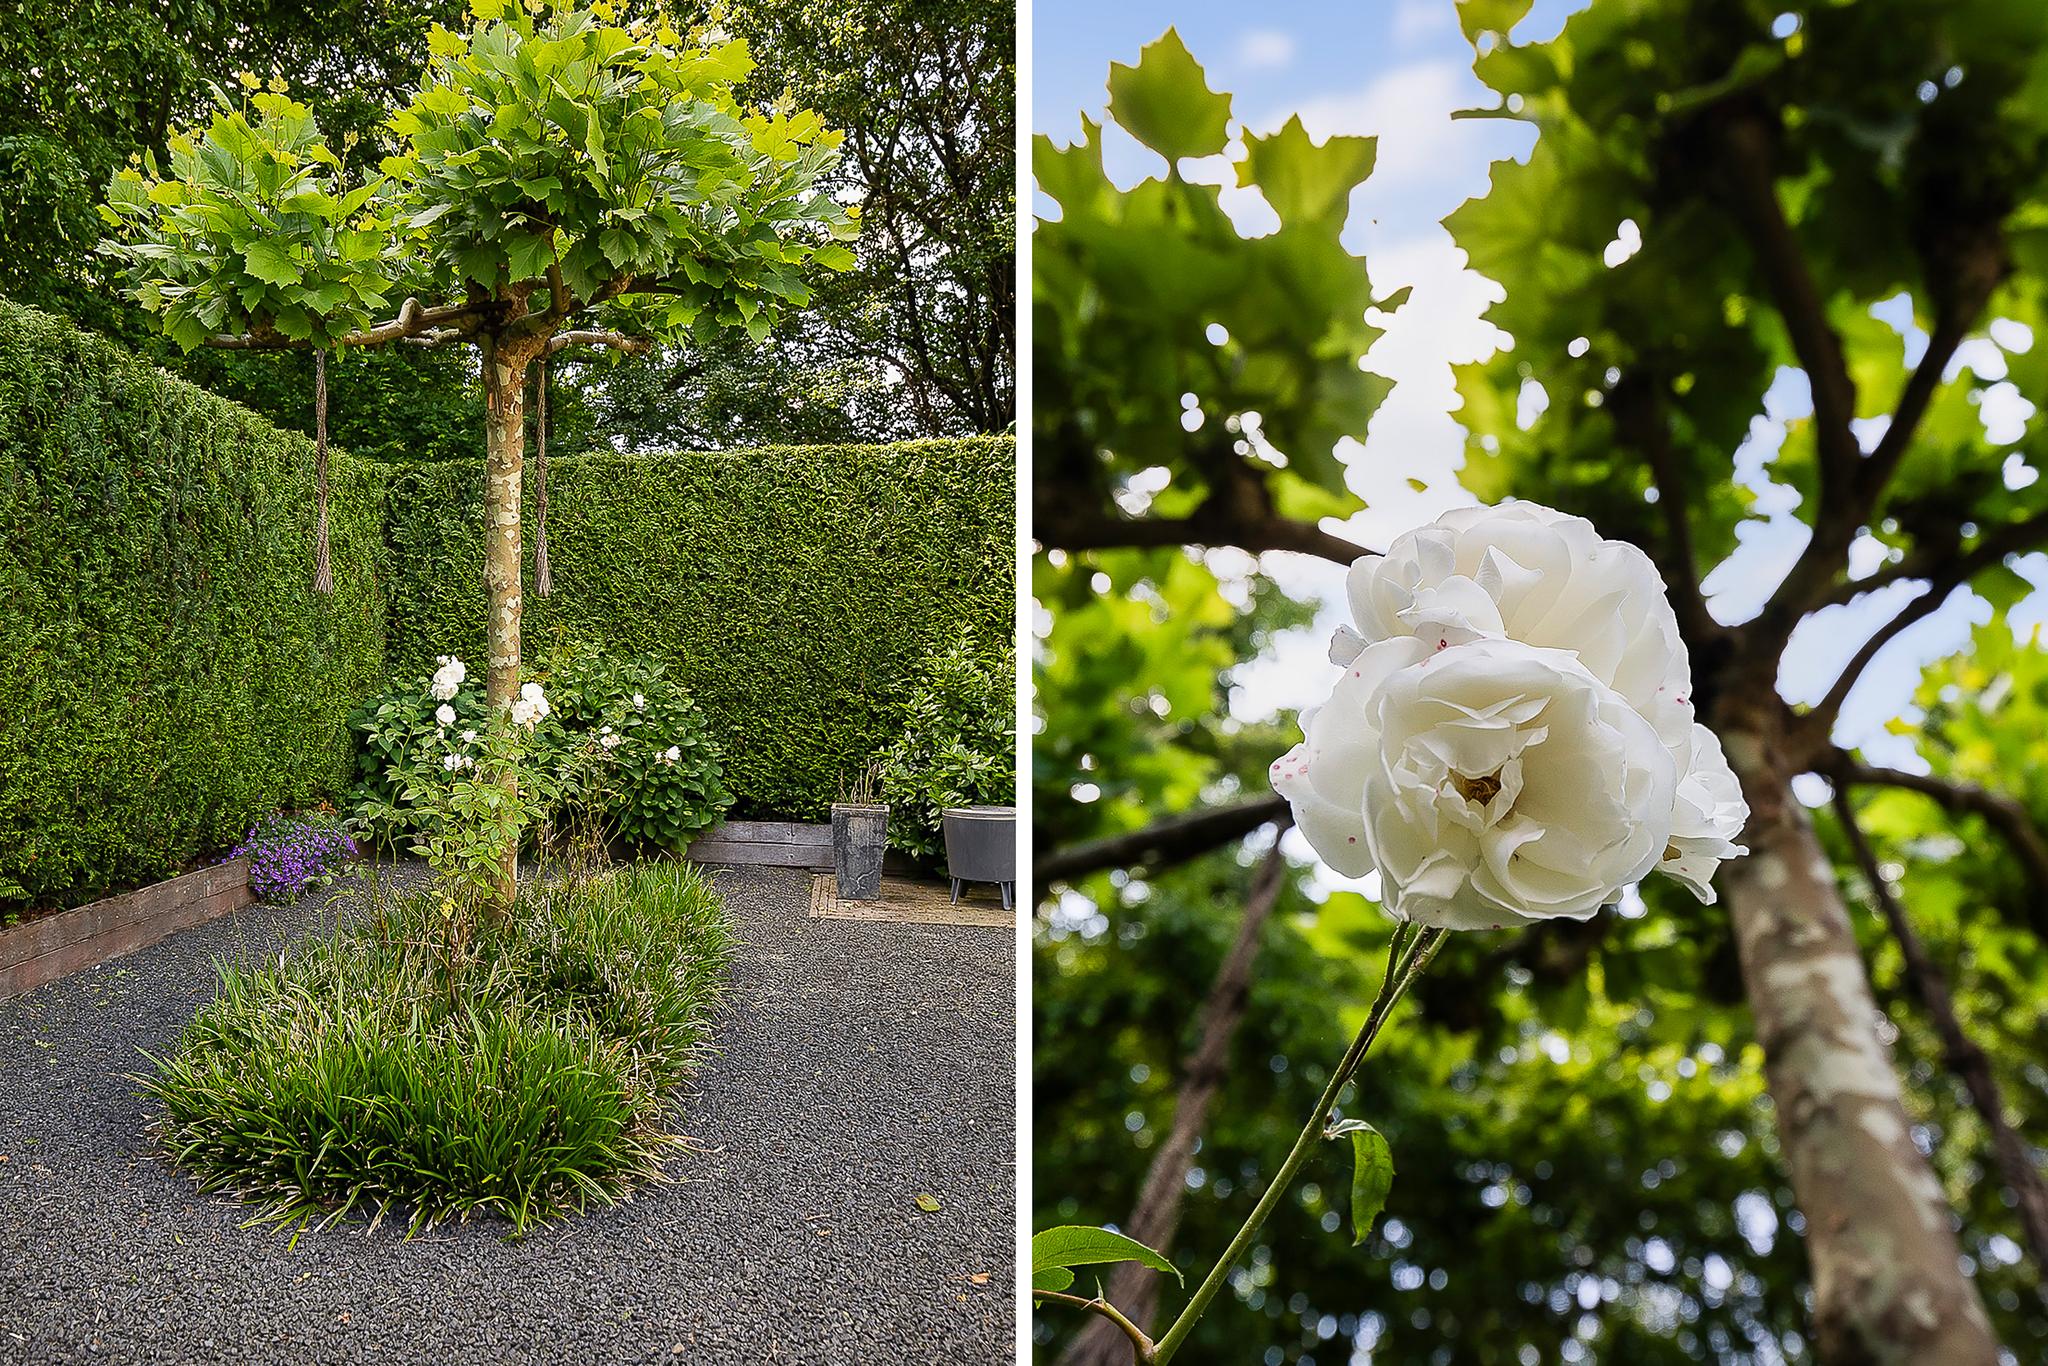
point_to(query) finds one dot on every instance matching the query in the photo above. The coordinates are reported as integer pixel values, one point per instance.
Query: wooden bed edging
(53, 946)
(774, 844)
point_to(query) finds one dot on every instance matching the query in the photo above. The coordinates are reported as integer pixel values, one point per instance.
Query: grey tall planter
(860, 836)
(981, 846)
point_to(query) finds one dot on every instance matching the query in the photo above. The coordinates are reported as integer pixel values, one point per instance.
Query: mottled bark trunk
(504, 375)
(1156, 1217)
(1887, 1284)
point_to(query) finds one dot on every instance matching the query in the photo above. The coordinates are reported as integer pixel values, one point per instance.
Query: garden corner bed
(858, 1074)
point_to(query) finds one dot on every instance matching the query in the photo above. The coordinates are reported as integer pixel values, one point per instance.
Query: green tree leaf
(1166, 103)
(1301, 180)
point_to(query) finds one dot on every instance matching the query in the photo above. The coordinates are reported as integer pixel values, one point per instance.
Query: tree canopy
(1587, 1167)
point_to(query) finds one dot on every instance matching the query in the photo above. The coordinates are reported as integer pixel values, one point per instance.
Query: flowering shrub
(288, 855)
(959, 745)
(616, 742)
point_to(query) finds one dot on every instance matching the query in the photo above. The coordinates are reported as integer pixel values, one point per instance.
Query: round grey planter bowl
(981, 846)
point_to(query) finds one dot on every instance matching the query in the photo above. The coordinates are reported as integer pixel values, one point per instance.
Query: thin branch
(1141, 1346)
(1155, 1218)
(1920, 389)
(1639, 415)
(618, 341)
(1961, 1053)
(2004, 813)
(1816, 723)
(1799, 303)
(1173, 840)
(1096, 531)
(2012, 538)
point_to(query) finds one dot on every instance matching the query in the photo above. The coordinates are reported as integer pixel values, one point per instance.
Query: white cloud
(1409, 111)
(1418, 20)
(1267, 49)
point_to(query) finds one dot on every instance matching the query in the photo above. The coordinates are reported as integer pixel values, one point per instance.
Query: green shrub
(959, 745)
(171, 676)
(661, 785)
(794, 592)
(353, 1075)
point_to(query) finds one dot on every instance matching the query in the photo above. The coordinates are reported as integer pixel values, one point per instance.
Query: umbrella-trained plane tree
(561, 177)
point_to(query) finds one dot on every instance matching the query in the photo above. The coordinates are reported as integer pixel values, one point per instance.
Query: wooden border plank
(55, 946)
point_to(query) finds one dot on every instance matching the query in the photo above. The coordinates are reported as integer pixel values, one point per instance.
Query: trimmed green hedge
(795, 591)
(167, 674)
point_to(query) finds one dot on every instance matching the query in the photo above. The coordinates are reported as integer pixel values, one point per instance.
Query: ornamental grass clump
(347, 1077)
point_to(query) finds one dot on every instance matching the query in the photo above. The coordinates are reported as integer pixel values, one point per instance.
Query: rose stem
(1421, 946)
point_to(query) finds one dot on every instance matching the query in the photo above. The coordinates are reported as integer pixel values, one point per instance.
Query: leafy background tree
(1587, 1164)
(923, 89)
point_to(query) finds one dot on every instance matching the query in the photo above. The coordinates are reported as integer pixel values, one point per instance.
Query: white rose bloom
(531, 694)
(1529, 573)
(450, 762)
(524, 713)
(672, 753)
(639, 702)
(469, 737)
(1709, 815)
(444, 715)
(448, 678)
(608, 740)
(1491, 783)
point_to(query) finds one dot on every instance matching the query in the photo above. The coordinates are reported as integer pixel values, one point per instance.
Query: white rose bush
(1511, 741)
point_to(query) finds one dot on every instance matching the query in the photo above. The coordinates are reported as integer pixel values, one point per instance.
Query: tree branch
(1920, 389)
(412, 320)
(1155, 1218)
(1076, 530)
(1815, 724)
(1960, 1052)
(1753, 178)
(1953, 563)
(1944, 575)
(1141, 1346)
(1173, 840)
(618, 341)
(1639, 416)
(1748, 154)
(2004, 813)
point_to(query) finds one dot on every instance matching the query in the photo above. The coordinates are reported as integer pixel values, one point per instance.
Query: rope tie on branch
(323, 572)
(543, 576)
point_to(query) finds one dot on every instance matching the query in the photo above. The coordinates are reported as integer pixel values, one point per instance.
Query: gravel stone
(859, 1066)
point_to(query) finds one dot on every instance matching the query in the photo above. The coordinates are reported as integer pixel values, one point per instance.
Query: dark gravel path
(860, 1065)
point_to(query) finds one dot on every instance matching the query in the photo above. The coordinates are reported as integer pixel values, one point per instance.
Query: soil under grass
(359, 1074)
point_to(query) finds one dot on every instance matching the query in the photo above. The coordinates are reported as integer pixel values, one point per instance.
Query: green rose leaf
(1055, 1251)
(1372, 1173)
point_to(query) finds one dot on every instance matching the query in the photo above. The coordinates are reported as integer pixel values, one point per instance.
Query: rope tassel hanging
(323, 573)
(543, 577)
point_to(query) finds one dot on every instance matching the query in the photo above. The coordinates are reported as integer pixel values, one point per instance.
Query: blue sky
(1397, 70)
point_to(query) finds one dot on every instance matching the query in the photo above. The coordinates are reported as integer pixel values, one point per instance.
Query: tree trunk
(1961, 1053)
(1887, 1283)
(1132, 1288)
(504, 374)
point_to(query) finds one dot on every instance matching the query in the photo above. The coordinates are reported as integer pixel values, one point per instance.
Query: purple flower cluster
(288, 853)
